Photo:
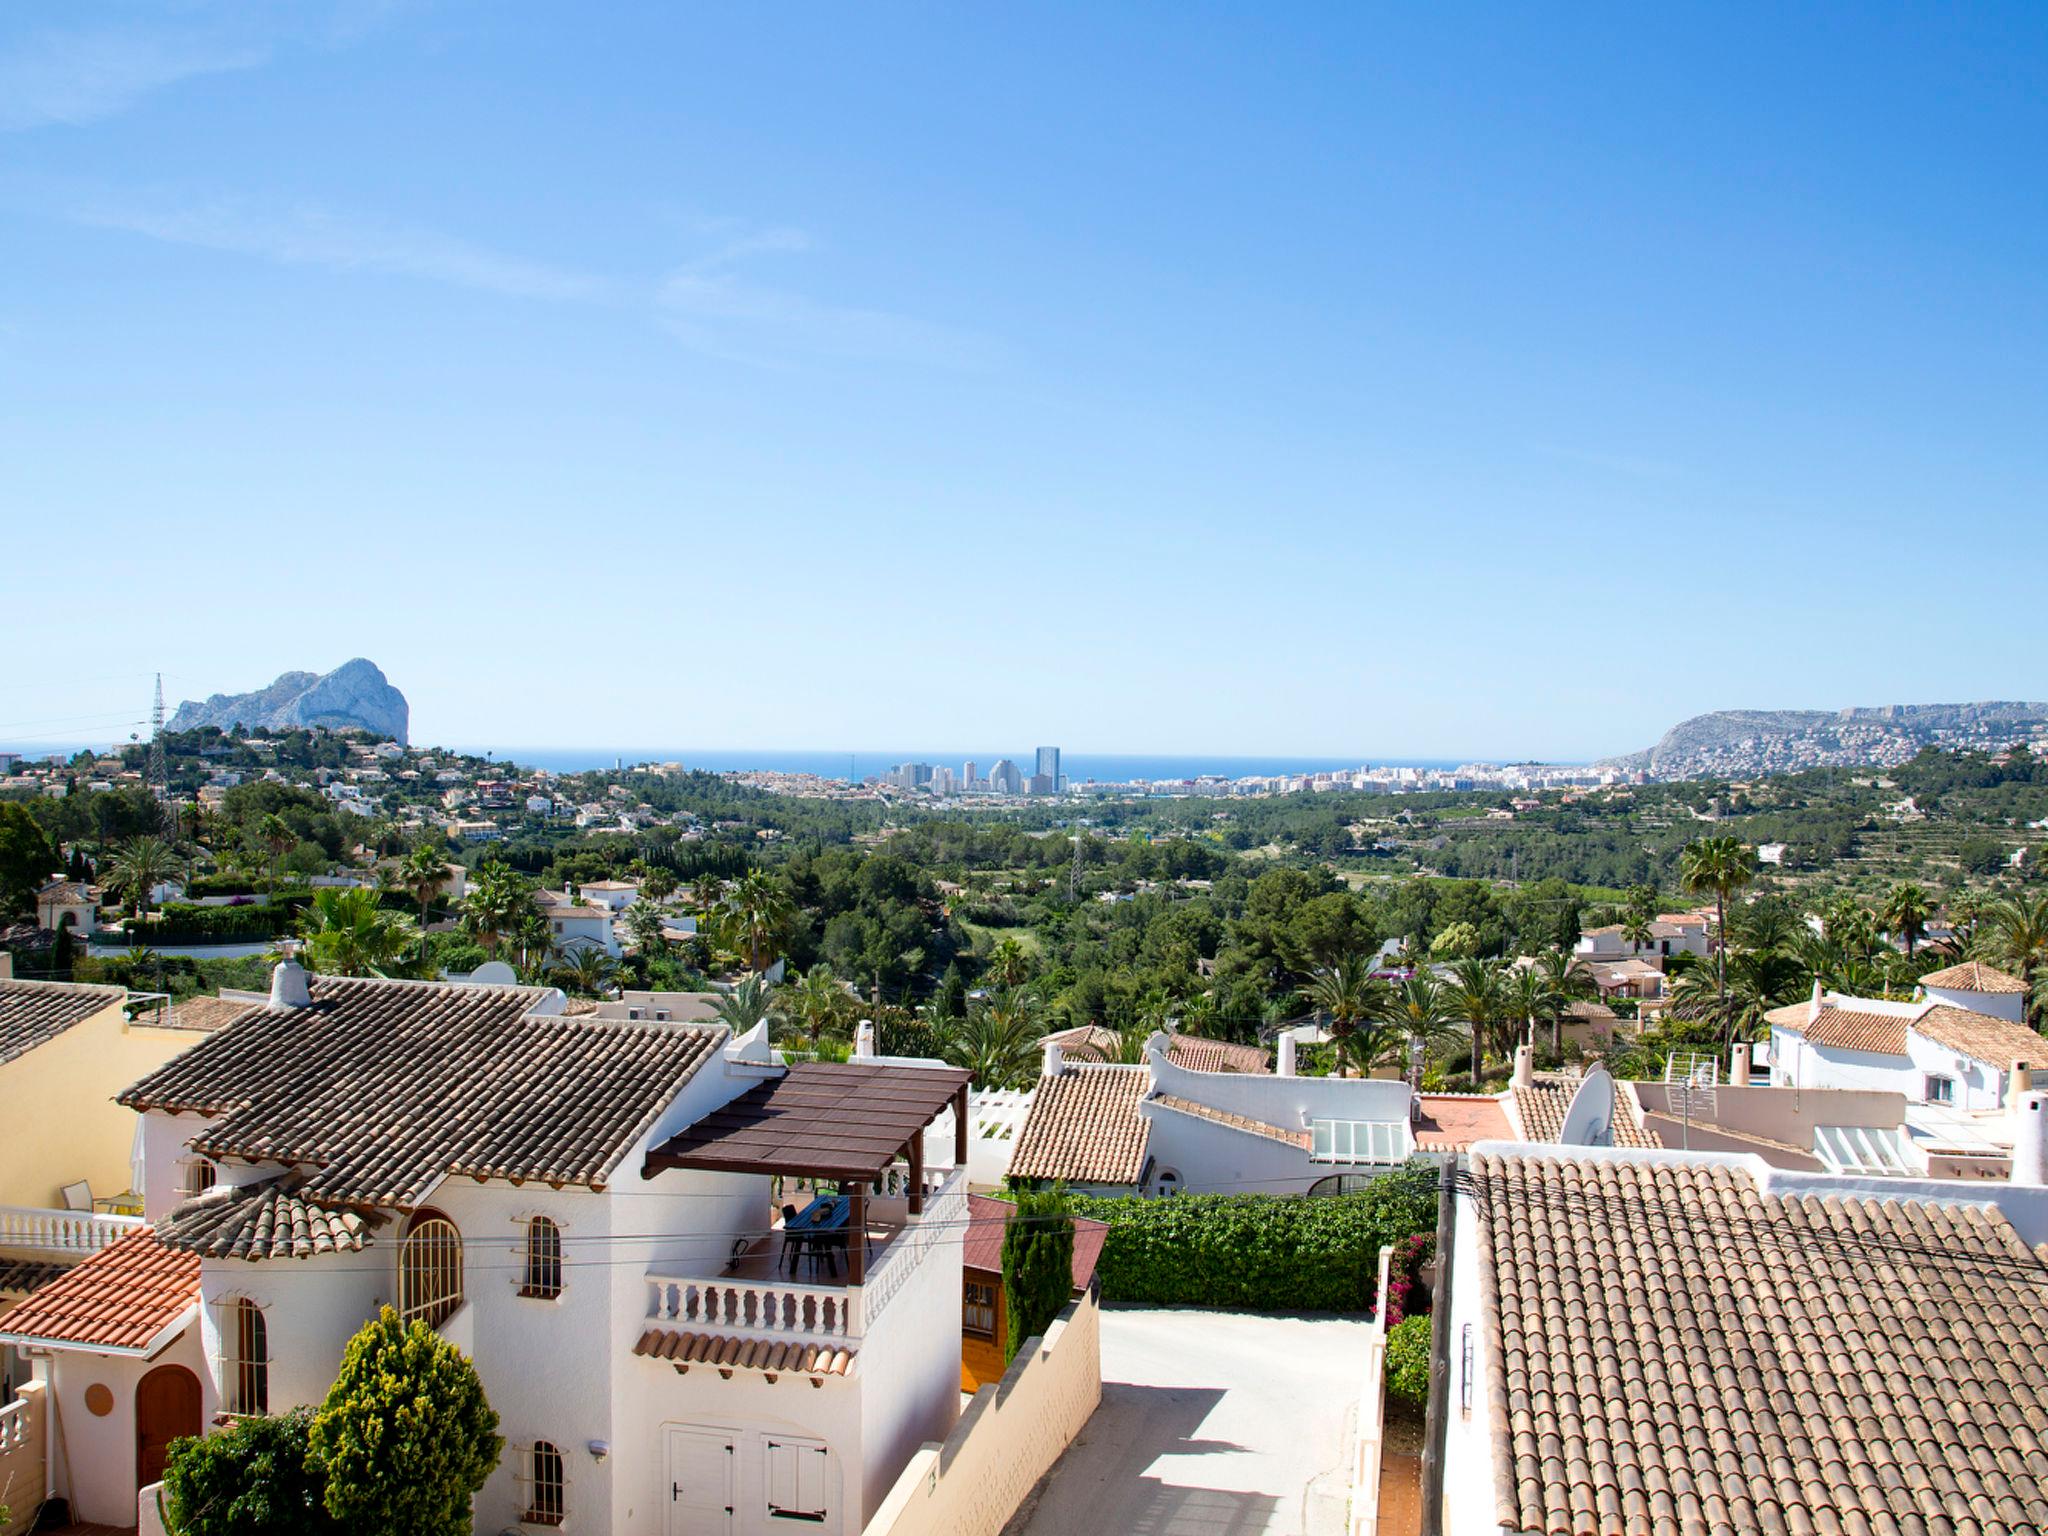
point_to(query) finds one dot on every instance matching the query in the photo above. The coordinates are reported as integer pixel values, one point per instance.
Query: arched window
(542, 1274)
(244, 1359)
(196, 1177)
(547, 1487)
(429, 1270)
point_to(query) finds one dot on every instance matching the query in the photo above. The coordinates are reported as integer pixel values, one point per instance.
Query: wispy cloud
(712, 306)
(77, 77)
(312, 236)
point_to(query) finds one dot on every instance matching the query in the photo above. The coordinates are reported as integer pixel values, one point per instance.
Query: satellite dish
(1589, 1122)
(494, 973)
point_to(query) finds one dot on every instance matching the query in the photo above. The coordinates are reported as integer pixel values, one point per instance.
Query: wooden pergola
(843, 1121)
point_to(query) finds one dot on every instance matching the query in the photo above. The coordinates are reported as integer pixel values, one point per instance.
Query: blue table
(819, 1227)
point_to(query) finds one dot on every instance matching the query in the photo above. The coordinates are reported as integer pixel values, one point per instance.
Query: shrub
(257, 1477)
(1038, 1263)
(405, 1432)
(1408, 1360)
(1272, 1252)
(906, 1037)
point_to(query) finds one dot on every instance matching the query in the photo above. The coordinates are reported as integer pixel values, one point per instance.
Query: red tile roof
(120, 1300)
(1084, 1127)
(1973, 976)
(1451, 1122)
(983, 1250)
(726, 1354)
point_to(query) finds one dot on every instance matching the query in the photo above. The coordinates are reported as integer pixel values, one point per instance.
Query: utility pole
(158, 774)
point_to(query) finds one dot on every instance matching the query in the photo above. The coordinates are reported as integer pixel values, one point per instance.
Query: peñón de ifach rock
(355, 696)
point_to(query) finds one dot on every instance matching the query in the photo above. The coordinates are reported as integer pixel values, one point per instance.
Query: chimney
(1813, 1008)
(288, 987)
(864, 1038)
(2022, 1080)
(1055, 1059)
(1738, 1066)
(1288, 1046)
(1525, 1068)
(2030, 1139)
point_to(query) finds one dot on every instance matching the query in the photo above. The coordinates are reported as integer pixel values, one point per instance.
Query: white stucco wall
(1979, 1085)
(1798, 1063)
(2000, 1005)
(1217, 1159)
(93, 1459)
(1469, 1498)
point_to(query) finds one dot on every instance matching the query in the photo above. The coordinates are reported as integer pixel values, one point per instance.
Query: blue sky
(1372, 381)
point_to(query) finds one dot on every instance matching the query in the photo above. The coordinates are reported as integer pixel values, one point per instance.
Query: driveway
(1211, 1424)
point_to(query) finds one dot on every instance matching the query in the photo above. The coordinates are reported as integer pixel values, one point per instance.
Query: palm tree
(499, 899)
(141, 866)
(1420, 1008)
(2013, 933)
(1528, 999)
(421, 875)
(646, 929)
(347, 932)
(1906, 910)
(1757, 981)
(1009, 962)
(1352, 1004)
(657, 885)
(816, 1003)
(998, 1040)
(276, 838)
(760, 914)
(1476, 1001)
(1723, 865)
(586, 969)
(1638, 929)
(746, 1005)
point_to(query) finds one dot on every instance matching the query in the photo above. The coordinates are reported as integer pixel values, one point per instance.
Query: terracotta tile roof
(1845, 1029)
(1673, 1353)
(208, 1013)
(1585, 1011)
(269, 1220)
(1092, 1042)
(1451, 1122)
(1541, 1109)
(382, 1088)
(69, 892)
(34, 1013)
(1974, 976)
(122, 1299)
(726, 1354)
(1236, 1122)
(1981, 1037)
(983, 1249)
(1084, 1127)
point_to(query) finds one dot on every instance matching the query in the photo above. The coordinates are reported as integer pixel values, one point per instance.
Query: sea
(1079, 767)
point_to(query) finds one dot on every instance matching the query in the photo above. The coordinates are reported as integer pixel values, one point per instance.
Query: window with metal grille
(430, 1270)
(547, 1486)
(978, 1309)
(541, 1275)
(244, 1359)
(196, 1176)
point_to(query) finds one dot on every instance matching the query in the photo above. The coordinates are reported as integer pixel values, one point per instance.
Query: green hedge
(1263, 1252)
(179, 922)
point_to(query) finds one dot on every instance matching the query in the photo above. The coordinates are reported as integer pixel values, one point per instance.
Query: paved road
(1211, 1424)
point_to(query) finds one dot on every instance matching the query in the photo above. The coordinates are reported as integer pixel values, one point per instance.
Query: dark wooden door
(166, 1406)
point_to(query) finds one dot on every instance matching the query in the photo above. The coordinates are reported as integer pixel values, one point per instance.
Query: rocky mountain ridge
(1741, 743)
(354, 696)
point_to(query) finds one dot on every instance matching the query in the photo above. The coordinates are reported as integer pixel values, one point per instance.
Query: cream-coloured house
(65, 1050)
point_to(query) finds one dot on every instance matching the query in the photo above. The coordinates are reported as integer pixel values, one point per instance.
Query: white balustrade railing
(944, 1218)
(15, 1426)
(49, 1231)
(766, 1306)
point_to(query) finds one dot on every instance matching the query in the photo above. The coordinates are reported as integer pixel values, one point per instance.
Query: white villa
(589, 1207)
(576, 923)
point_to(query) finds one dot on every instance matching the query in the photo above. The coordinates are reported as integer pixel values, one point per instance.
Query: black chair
(792, 1242)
